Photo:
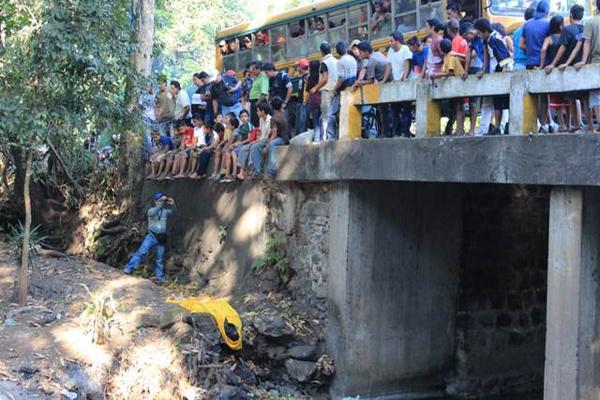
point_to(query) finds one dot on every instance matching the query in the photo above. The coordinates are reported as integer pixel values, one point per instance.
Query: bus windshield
(518, 7)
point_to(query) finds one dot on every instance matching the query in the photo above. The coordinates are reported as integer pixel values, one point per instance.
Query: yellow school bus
(287, 37)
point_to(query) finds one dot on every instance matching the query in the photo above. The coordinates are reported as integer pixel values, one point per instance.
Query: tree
(64, 67)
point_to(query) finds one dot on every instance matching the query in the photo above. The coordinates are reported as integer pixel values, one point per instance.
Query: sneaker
(543, 129)
(227, 179)
(127, 271)
(215, 177)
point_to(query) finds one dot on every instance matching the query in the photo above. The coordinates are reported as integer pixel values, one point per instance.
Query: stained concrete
(526, 159)
(572, 354)
(394, 254)
(204, 209)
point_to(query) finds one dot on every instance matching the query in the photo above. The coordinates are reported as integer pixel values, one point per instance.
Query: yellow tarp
(220, 310)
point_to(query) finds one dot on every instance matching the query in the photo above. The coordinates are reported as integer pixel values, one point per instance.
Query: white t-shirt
(182, 101)
(200, 135)
(265, 127)
(397, 59)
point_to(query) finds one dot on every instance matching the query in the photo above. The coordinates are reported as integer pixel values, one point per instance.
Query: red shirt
(459, 45)
(187, 138)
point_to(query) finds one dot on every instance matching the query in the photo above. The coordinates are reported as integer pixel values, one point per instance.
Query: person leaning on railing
(591, 54)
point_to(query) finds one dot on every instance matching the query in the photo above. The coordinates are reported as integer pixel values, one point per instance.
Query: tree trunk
(22, 277)
(144, 17)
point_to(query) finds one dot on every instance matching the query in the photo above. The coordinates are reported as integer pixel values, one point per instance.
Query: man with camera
(156, 237)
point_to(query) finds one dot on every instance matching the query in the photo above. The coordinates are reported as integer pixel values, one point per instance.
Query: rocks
(28, 371)
(301, 371)
(272, 327)
(303, 352)
(277, 353)
(172, 314)
(180, 331)
(226, 392)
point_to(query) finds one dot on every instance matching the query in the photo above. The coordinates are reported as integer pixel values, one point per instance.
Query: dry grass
(151, 369)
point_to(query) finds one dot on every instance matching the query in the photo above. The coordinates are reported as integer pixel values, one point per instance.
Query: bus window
(337, 27)
(357, 23)
(381, 18)
(278, 43)
(261, 46)
(430, 9)
(233, 46)
(406, 22)
(318, 33)
(406, 15)
(297, 43)
(517, 7)
(229, 62)
(245, 51)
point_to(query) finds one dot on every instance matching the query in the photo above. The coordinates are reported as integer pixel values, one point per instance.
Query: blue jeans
(401, 118)
(257, 156)
(332, 118)
(235, 109)
(150, 242)
(316, 119)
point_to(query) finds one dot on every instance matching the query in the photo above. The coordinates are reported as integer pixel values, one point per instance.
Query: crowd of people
(239, 123)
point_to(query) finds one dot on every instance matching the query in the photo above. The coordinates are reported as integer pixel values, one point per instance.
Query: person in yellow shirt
(452, 67)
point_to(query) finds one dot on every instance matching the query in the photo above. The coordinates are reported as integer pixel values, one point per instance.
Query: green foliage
(97, 317)
(15, 240)
(275, 257)
(64, 72)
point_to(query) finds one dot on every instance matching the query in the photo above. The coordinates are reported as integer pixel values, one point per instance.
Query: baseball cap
(355, 42)
(222, 43)
(159, 195)
(230, 72)
(302, 63)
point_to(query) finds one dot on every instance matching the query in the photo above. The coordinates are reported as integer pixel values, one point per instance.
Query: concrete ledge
(532, 159)
(488, 85)
(588, 78)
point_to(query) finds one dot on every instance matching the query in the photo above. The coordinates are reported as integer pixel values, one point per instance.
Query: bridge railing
(521, 87)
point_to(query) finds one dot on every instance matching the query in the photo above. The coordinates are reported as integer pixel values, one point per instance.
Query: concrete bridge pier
(394, 263)
(572, 368)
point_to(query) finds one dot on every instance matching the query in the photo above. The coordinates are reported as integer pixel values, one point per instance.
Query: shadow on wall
(216, 233)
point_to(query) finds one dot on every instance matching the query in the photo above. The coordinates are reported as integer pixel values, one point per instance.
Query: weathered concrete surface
(573, 330)
(393, 271)
(205, 212)
(533, 159)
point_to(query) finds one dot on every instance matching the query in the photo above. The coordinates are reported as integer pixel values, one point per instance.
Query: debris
(301, 371)
(277, 353)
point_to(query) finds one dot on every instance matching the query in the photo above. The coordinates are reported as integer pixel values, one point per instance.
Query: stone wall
(502, 291)
(301, 213)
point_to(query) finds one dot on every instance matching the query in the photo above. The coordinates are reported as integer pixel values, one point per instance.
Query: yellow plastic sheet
(220, 310)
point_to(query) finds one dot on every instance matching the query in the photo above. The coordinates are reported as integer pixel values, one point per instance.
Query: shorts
(594, 98)
(501, 102)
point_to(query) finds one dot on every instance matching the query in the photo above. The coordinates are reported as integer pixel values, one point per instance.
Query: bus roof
(303, 11)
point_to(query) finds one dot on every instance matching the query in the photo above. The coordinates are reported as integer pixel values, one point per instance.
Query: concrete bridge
(396, 234)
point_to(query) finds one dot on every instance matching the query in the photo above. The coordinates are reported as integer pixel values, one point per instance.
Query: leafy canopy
(64, 68)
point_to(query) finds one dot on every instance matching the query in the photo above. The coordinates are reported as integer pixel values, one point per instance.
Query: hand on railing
(579, 65)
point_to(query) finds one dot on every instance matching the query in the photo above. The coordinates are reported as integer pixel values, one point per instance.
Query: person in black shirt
(226, 94)
(199, 98)
(296, 110)
(569, 53)
(280, 84)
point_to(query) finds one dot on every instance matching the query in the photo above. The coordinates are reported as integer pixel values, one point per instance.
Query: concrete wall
(393, 274)
(203, 208)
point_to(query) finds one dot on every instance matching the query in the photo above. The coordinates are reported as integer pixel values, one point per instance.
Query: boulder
(171, 313)
(304, 352)
(181, 331)
(301, 371)
(272, 327)
(277, 353)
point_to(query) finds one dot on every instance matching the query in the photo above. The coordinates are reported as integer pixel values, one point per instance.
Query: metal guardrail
(521, 87)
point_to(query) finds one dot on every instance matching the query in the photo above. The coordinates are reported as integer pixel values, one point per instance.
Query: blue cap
(542, 9)
(158, 196)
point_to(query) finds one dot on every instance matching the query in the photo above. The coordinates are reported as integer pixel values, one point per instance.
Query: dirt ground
(46, 351)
